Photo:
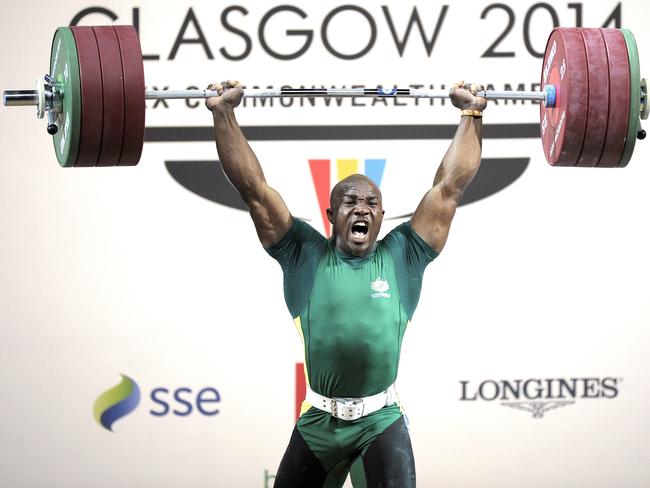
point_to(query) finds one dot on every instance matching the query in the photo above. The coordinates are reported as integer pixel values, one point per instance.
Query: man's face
(356, 215)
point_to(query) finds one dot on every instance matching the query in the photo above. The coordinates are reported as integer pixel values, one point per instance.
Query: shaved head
(352, 180)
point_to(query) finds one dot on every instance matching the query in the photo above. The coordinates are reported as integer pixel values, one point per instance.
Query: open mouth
(360, 230)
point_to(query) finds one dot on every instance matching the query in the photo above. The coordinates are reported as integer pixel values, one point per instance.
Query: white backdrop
(123, 270)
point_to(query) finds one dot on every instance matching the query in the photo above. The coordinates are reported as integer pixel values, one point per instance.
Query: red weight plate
(619, 97)
(134, 102)
(598, 97)
(90, 73)
(563, 126)
(113, 95)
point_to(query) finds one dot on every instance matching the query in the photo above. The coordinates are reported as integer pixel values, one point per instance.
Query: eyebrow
(353, 197)
(357, 195)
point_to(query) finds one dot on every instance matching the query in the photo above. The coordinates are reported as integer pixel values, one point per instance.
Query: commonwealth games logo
(206, 179)
(117, 402)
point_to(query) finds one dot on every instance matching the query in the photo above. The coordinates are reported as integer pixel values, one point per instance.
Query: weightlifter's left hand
(463, 96)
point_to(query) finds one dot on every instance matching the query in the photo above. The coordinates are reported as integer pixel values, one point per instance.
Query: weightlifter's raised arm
(270, 214)
(434, 214)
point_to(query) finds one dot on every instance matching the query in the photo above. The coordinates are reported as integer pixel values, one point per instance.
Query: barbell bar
(94, 96)
(31, 97)
(541, 96)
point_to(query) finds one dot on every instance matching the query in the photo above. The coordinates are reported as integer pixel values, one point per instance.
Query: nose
(361, 209)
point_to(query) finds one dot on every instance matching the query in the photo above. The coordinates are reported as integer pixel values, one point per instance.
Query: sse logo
(117, 402)
(123, 399)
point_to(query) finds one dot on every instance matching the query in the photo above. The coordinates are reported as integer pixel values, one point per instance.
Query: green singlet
(351, 313)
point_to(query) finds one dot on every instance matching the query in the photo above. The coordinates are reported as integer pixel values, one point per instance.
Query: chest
(365, 293)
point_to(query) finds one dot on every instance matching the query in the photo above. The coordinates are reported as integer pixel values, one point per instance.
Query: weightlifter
(351, 298)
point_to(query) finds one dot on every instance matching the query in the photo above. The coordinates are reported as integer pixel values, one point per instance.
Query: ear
(330, 215)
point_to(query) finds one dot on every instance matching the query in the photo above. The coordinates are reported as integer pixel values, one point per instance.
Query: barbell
(94, 96)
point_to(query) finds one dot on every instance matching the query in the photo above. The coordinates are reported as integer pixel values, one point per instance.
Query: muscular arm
(270, 214)
(434, 214)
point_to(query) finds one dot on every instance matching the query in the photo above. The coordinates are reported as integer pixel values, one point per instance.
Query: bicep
(432, 219)
(270, 215)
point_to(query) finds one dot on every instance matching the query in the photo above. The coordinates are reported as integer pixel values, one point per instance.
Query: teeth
(360, 230)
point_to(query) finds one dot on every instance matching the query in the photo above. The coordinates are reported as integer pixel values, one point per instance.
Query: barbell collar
(645, 106)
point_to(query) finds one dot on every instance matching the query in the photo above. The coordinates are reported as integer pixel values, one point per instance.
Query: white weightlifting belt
(351, 408)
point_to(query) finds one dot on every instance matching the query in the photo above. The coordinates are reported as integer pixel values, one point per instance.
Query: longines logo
(537, 395)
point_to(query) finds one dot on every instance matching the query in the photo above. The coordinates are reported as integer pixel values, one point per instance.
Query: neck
(342, 247)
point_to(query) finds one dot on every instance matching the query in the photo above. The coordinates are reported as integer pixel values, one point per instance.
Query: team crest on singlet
(380, 287)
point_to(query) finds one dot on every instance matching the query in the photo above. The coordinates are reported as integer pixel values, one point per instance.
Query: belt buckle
(347, 408)
(333, 409)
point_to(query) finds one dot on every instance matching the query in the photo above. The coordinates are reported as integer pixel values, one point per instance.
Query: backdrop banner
(144, 337)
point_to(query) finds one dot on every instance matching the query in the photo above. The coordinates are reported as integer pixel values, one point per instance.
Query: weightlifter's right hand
(230, 95)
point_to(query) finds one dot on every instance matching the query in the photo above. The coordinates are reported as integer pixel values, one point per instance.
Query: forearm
(238, 160)
(462, 159)
(432, 219)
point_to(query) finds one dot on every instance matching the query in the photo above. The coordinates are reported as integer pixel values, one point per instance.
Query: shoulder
(403, 235)
(299, 231)
(300, 244)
